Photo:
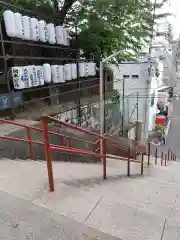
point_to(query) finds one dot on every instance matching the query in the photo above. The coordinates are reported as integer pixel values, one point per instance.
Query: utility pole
(122, 126)
(146, 120)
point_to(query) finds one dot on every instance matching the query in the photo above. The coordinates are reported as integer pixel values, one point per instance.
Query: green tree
(102, 26)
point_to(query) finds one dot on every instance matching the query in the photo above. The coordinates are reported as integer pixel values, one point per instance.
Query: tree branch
(65, 8)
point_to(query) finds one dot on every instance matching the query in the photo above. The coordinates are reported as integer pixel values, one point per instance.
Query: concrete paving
(139, 207)
(21, 220)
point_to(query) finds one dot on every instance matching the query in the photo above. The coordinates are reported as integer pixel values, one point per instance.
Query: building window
(152, 98)
(135, 76)
(125, 76)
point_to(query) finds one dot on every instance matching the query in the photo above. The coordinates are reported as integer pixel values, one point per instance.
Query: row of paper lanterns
(70, 116)
(34, 76)
(28, 28)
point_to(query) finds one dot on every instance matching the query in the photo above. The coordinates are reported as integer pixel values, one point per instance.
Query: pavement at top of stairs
(137, 207)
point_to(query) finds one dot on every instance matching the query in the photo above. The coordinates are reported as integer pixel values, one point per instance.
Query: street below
(173, 137)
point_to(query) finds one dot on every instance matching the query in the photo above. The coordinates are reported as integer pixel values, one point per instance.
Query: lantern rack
(12, 54)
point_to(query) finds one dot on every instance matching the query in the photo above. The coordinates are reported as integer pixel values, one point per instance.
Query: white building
(138, 82)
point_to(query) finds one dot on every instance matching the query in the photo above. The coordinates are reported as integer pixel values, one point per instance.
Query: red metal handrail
(30, 141)
(48, 148)
(83, 130)
(52, 147)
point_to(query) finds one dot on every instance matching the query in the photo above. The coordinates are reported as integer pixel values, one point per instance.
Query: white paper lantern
(81, 69)
(19, 25)
(66, 36)
(10, 24)
(43, 31)
(55, 73)
(32, 76)
(59, 35)
(39, 75)
(27, 28)
(89, 69)
(34, 82)
(18, 77)
(35, 35)
(86, 69)
(74, 70)
(51, 33)
(67, 72)
(27, 71)
(47, 72)
(61, 73)
(93, 68)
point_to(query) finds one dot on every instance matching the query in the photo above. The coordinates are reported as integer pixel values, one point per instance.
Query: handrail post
(165, 159)
(104, 150)
(169, 154)
(30, 143)
(149, 149)
(162, 155)
(69, 145)
(142, 164)
(156, 154)
(128, 163)
(48, 154)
